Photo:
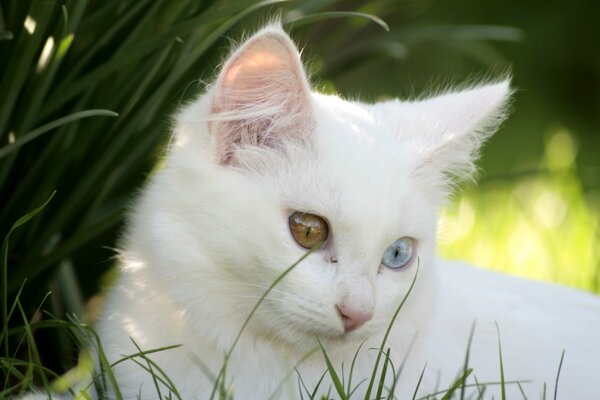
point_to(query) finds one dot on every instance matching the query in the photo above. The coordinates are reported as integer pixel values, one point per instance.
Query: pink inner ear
(255, 64)
(263, 75)
(261, 96)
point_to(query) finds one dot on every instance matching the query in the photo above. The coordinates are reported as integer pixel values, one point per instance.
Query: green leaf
(276, 392)
(466, 365)
(337, 383)
(21, 58)
(311, 18)
(151, 43)
(352, 367)
(34, 134)
(316, 388)
(544, 392)
(562, 356)
(35, 92)
(82, 236)
(419, 382)
(31, 344)
(520, 390)
(502, 382)
(387, 333)
(383, 374)
(253, 311)
(21, 221)
(105, 367)
(109, 33)
(480, 391)
(6, 35)
(458, 383)
(444, 33)
(157, 376)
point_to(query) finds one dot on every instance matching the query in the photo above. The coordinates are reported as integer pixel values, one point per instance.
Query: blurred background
(67, 65)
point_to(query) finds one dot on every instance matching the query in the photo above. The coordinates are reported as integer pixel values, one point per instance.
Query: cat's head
(263, 168)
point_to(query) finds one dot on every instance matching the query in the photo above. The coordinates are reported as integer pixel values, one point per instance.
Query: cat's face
(264, 169)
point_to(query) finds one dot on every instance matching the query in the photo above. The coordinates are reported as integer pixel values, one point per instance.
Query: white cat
(262, 168)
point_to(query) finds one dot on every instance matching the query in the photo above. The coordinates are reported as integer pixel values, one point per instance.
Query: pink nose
(352, 318)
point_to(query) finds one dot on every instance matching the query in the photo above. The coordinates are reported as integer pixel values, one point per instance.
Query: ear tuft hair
(459, 124)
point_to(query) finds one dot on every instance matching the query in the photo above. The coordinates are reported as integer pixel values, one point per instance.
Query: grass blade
(166, 381)
(480, 391)
(309, 19)
(105, 367)
(31, 346)
(562, 356)
(28, 137)
(383, 373)
(522, 391)
(19, 64)
(401, 367)
(502, 382)
(419, 382)
(253, 311)
(352, 367)
(83, 236)
(334, 376)
(457, 384)
(387, 333)
(316, 389)
(544, 392)
(20, 222)
(148, 45)
(471, 333)
(290, 373)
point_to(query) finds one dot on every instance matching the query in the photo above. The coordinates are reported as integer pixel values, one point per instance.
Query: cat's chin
(343, 339)
(333, 340)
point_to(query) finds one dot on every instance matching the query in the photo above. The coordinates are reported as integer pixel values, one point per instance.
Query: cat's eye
(399, 254)
(308, 230)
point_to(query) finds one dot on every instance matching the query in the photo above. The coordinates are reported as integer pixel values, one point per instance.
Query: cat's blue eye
(399, 254)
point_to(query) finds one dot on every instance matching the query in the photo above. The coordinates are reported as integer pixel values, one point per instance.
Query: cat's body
(211, 232)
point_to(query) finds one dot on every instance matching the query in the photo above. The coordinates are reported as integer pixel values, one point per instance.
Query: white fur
(210, 233)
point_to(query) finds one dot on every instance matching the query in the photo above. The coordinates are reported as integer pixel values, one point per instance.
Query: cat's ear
(454, 126)
(261, 97)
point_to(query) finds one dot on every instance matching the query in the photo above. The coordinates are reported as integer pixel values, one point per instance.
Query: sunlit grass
(539, 226)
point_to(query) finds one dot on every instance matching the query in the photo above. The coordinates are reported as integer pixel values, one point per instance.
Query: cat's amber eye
(308, 230)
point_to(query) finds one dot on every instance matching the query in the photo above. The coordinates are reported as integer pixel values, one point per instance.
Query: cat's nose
(353, 318)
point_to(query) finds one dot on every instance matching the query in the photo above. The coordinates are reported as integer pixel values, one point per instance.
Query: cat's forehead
(359, 170)
(361, 144)
(356, 121)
